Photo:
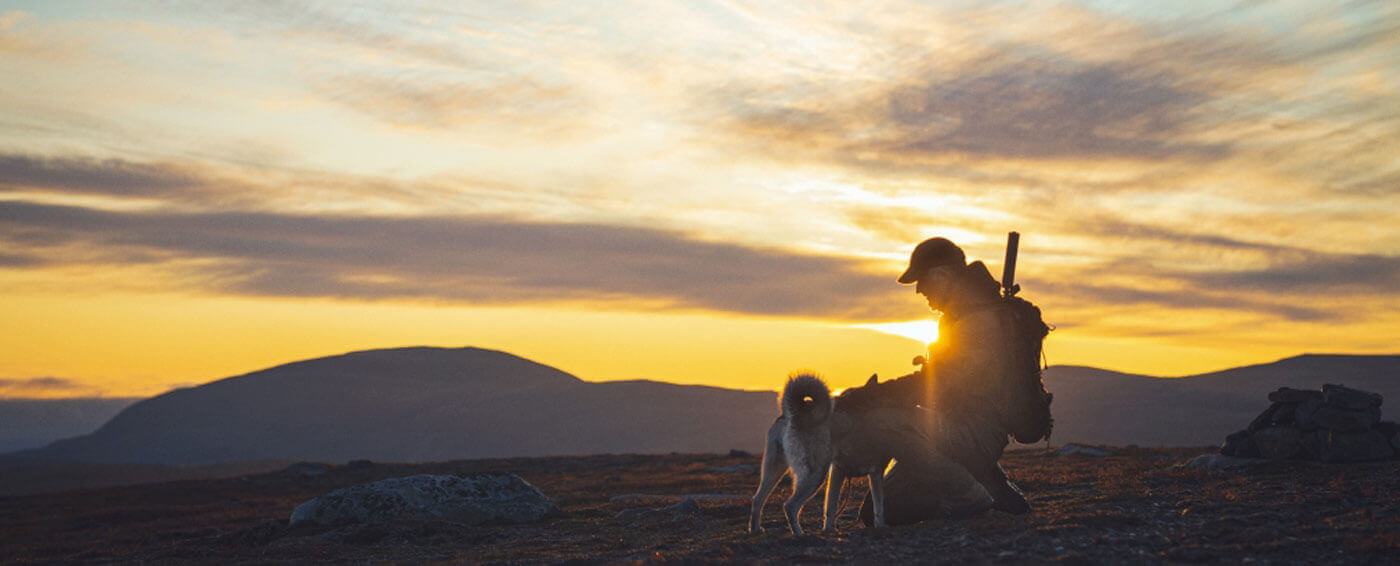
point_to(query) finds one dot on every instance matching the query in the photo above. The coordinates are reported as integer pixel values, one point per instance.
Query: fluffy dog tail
(806, 399)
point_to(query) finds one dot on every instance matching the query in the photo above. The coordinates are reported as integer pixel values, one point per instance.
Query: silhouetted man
(974, 379)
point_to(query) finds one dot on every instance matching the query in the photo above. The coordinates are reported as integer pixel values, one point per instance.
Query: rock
(1312, 442)
(1346, 420)
(1391, 431)
(687, 507)
(1278, 443)
(1240, 445)
(1290, 395)
(359, 464)
(1343, 397)
(1081, 450)
(1221, 462)
(1361, 446)
(1265, 419)
(498, 498)
(736, 453)
(1303, 414)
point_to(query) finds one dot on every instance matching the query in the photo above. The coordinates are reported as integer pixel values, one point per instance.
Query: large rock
(1240, 445)
(1348, 398)
(1346, 420)
(1291, 395)
(1279, 442)
(1361, 446)
(497, 498)
(1303, 413)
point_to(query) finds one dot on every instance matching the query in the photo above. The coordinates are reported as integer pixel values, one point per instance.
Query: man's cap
(932, 252)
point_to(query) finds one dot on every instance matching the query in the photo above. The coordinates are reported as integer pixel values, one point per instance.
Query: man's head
(933, 264)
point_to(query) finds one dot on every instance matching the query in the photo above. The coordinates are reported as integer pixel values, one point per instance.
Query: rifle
(1009, 288)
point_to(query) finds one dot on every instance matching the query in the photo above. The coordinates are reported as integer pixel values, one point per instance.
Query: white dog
(815, 438)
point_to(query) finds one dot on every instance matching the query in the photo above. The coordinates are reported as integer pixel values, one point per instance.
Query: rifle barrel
(1008, 270)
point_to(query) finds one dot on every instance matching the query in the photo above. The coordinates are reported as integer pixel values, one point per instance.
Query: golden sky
(698, 192)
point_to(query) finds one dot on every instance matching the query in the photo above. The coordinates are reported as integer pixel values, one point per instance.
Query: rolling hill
(418, 404)
(433, 404)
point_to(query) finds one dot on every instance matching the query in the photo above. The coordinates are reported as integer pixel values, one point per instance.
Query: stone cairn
(1335, 424)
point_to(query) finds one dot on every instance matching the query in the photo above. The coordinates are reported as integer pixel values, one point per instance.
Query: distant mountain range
(428, 404)
(31, 423)
(418, 404)
(1095, 406)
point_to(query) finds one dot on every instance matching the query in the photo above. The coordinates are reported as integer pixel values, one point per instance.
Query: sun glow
(925, 331)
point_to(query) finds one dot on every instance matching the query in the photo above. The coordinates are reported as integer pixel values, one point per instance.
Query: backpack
(1032, 421)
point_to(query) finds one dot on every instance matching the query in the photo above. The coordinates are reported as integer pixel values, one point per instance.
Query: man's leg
(927, 485)
(977, 449)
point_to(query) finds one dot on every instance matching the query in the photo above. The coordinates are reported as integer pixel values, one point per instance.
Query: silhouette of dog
(815, 438)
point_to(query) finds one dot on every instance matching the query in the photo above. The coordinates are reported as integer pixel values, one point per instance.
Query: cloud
(1018, 102)
(478, 260)
(113, 177)
(1222, 298)
(423, 102)
(40, 386)
(1026, 107)
(1322, 274)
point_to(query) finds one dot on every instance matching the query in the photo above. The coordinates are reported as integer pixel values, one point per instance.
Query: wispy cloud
(113, 177)
(476, 260)
(43, 387)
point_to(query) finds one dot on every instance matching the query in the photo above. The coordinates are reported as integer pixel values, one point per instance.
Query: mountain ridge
(424, 403)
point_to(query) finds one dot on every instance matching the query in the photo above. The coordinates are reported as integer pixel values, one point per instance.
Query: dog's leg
(835, 483)
(774, 465)
(807, 480)
(877, 497)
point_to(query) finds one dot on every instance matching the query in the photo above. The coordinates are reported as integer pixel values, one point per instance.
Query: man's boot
(1006, 496)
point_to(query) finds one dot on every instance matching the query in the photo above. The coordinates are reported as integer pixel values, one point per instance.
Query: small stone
(687, 507)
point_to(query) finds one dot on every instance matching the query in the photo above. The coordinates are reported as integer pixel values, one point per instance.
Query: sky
(697, 192)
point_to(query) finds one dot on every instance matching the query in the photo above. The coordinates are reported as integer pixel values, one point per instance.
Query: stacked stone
(1335, 424)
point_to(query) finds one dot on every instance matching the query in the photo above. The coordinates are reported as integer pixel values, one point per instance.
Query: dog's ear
(874, 378)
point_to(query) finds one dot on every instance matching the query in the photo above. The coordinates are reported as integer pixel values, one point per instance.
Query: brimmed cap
(932, 252)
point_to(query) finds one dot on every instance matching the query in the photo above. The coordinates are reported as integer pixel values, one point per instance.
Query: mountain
(431, 404)
(1096, 406)
(28, 423)
(419, 404)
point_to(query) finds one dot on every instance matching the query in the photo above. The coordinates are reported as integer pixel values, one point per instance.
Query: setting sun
(924, 331)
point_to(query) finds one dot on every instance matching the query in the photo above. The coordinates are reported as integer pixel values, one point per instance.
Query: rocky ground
(1134, 506)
